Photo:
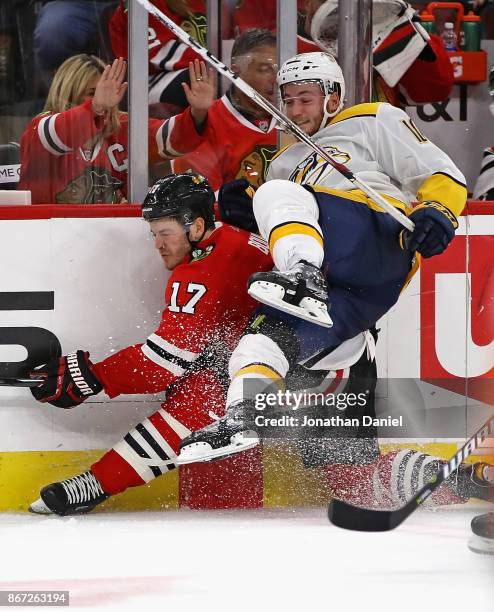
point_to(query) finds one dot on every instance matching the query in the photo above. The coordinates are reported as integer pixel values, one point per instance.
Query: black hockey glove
(435, 227)
(235, 204)
(68, 381)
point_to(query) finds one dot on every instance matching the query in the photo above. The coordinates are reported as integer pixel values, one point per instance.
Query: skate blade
(201, 452)
(481, 546)
(39, 507)
(313, 310)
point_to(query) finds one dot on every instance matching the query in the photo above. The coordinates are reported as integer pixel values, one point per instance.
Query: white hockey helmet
(318, 67)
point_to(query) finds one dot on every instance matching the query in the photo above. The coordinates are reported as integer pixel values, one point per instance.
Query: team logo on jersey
(94, 186)
(314, 167)
(195, 26)
(199, 254)
(254, 166)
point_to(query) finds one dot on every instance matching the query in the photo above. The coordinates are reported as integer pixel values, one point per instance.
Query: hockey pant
(356, 246)
(150, 449)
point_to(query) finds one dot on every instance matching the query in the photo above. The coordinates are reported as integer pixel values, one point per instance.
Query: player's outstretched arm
(68, 381)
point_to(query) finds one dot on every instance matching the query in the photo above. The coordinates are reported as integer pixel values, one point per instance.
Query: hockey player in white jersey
(322, 232)
(381, 145)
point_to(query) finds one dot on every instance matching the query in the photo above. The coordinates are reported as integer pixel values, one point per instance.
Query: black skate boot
(77, 495)
(482, 540)
(302, 292)
(226, 436)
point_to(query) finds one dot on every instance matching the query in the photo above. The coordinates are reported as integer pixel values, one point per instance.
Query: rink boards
(96, 283)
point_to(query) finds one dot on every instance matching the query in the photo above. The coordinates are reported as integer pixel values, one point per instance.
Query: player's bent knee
(258, 349)
(277, 199)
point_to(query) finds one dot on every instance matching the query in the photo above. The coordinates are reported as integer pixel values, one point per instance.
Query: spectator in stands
(66, 28)
(168, 57)
(76, 150)
(428, 73)
(240, 138)
(262, 14)
(410, 66)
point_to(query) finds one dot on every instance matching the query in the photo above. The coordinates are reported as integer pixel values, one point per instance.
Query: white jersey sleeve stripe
(163, 54)
(174, 350)
(49, 137)
(169, 150)
(162, 362)
(160, 136)
(179, 51)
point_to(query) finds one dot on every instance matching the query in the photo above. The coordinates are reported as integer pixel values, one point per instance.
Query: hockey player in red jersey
(206, 310)
(240, 138)
(76, 151)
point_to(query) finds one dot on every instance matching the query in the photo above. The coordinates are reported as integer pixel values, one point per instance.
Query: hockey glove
(434, 229)
(68, 381)
(235, 205)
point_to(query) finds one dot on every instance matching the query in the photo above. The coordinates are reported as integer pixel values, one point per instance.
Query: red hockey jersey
(233, 147)
(206, 302)
(56, 168)
(166, 52)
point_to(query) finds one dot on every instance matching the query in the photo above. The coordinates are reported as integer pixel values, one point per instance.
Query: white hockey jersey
(382, 146)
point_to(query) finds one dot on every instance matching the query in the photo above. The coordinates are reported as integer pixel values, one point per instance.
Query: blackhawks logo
(254, 166)
(199, 254)
(195, 26)
(94, 186)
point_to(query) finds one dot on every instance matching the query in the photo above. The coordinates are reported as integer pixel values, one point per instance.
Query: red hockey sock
(115, 474)
(390, 481)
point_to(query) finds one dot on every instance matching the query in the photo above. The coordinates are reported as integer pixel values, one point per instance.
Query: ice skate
(77, 495)
(473, 480)
(482, 540)
(226, 436)
(302, 292)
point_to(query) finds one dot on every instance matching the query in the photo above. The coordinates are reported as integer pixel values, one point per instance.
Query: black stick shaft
(20, 382)
(352, 517)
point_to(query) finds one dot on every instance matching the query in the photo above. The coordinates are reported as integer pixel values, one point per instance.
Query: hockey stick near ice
(355, 518)
(20, 382)
(287, 125)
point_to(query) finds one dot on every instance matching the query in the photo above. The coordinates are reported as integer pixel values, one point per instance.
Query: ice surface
(254, 560)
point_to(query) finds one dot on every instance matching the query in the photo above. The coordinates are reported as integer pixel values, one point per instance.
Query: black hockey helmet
(184, 196)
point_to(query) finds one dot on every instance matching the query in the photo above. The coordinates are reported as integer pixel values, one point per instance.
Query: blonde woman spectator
(76, 150)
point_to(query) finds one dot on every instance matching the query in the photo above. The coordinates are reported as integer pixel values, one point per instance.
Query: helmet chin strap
(193, 243)
(327, 115)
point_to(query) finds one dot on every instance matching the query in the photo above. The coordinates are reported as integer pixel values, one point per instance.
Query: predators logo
(254, 166)
(311, 170)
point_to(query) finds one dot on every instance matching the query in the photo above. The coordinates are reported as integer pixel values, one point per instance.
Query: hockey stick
(355, 518)
(20, 382)
(288, 125)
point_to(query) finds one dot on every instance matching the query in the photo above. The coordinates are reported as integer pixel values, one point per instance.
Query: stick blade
(351, 517)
